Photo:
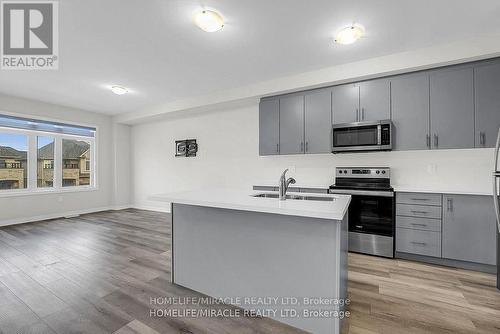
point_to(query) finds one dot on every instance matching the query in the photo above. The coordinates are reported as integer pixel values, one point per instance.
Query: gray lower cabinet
(487, 103)
(318, 121)
(345, 103)
(291, 124)
(410, 112)
(419, 242)
(375, 100)
(452, 108)
(469, 228)
(269, 120)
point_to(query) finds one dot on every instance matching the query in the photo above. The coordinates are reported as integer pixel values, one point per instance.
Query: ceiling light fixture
(349, 34)
(209, 21)
(119, 90)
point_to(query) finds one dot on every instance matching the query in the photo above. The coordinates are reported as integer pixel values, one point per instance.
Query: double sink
(297, 197)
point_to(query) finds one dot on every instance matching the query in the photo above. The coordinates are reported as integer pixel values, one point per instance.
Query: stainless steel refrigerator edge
(496, 199)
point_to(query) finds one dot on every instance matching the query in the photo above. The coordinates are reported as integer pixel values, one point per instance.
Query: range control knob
(345, 172)
(378, 172)
(383, 172)
(340, 172)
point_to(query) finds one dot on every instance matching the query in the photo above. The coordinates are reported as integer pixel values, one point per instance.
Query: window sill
(30, 192)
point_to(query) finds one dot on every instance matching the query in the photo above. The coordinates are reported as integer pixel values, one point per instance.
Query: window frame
(32, 187)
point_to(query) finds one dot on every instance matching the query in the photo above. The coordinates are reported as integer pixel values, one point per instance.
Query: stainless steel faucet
(284, 183)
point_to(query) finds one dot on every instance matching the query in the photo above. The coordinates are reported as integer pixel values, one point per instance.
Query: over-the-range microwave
(362, 136)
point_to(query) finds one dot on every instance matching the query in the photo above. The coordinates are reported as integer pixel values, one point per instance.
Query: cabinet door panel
(487, 88)
(452, 108)
(410, 112)
(318, 121)
(292, 124)
(269, 127)
(375, 100)
(345, 104)
(469, 228)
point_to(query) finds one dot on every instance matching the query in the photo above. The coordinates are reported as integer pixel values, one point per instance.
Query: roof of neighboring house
(9, 152)
(71, 150)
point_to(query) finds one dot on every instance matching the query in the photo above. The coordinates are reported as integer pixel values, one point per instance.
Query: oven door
(370, 214)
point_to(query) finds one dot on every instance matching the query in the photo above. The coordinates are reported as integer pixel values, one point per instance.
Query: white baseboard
(74, 213)
(152, 207)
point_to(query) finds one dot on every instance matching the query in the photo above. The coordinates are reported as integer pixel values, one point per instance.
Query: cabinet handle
(362, 114)
(357, 115)
(482, 138)
(421, 212)
(436, 140)
(419, 243)
(417, 224)
(419, 199)
(428, 140)
(301, 146)
(449, 204)
(307, 146)
(277, 148)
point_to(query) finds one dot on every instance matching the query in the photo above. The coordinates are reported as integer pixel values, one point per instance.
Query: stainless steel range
(371, 213)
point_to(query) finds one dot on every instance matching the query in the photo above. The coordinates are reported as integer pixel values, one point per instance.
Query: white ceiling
(152, 47)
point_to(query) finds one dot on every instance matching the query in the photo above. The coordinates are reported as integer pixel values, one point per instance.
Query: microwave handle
(379, 134)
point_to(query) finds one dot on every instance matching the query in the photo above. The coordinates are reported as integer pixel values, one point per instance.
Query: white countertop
(402, 188)
(243, 200)
(410, 189)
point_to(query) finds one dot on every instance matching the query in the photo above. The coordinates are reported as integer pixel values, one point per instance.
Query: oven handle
(379, 135)
(362, 192)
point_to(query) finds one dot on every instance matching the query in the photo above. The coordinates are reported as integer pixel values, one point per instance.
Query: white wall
(33, 207)
(228, 157)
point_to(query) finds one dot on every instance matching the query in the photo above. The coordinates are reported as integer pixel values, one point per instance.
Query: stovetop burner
(363, 178)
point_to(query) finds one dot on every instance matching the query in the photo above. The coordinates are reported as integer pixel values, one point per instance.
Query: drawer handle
(417, 224)
(419, 243)
(419, 199)
(422, 212)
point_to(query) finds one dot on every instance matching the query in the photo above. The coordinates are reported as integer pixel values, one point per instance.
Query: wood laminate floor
(98, 272)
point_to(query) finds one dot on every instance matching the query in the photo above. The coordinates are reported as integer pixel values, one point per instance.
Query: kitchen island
(281, 259)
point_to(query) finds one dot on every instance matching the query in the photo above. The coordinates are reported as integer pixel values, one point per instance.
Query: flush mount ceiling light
(349, 34)
(209, 21)
(119, 90)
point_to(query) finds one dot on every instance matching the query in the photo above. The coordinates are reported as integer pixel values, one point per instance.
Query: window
(45, 162)
(75, 154)
(13, 161)
(40, 155)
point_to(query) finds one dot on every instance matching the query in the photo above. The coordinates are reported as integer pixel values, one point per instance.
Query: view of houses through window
(13, 161)
(62, 160)
(76, 163)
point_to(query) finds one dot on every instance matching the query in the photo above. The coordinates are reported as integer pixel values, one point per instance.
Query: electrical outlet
(291, 169)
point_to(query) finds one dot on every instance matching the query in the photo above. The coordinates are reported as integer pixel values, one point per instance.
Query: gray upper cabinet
(410, 112)
(487, 94)
(469, 228)
(269, 120)
(318, 121)
(452, 108)
(291, 124)
(375, 100)
(345, 103)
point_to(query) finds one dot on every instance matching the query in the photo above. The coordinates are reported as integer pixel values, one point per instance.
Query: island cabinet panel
(487, 103)
(469, 228)
(269, 114)
(375, 100)
(452, 108)
(410, 112)
(345, 103)
(291, 126)
(318, 121)
(226, 253)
